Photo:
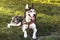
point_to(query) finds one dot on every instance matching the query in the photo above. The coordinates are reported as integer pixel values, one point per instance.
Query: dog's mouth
(33, 18)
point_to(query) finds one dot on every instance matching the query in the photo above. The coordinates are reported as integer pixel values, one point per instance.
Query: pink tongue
(33, 18)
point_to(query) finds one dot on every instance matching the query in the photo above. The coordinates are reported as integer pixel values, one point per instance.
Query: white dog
(27, 22)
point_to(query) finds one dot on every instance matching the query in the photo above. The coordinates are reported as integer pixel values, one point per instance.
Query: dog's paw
(34, 37)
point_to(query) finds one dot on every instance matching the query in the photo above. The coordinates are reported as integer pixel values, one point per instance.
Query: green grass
(51, 38)
(15, 33)
(47, 20)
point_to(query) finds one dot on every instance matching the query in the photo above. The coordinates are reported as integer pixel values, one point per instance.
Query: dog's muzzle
(34, 15)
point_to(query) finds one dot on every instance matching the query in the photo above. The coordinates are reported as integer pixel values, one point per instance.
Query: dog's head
(30, 13)
(30, 10)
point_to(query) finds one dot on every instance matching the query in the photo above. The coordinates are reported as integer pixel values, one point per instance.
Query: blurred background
(47, 19)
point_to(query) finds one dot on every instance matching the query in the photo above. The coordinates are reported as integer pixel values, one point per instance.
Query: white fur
(32, 13)
(31, 26)
(27, 17)
(26, 6)
(25, 26)
(13, 24)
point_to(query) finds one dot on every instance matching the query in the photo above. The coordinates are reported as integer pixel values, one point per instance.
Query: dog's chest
(32, 21)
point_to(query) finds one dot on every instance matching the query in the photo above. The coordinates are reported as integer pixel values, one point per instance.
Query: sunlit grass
(55, 2)
(8, 11)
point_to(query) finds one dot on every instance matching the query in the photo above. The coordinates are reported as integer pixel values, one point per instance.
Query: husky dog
(28, 21)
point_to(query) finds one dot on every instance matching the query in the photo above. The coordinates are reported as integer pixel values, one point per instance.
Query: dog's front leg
(34, 33)
(24, 27)
(33, 26)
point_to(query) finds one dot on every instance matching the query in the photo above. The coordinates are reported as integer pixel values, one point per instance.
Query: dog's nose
(34, 14)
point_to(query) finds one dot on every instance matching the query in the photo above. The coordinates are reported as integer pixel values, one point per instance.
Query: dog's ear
(27, 6)
(32, 5)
